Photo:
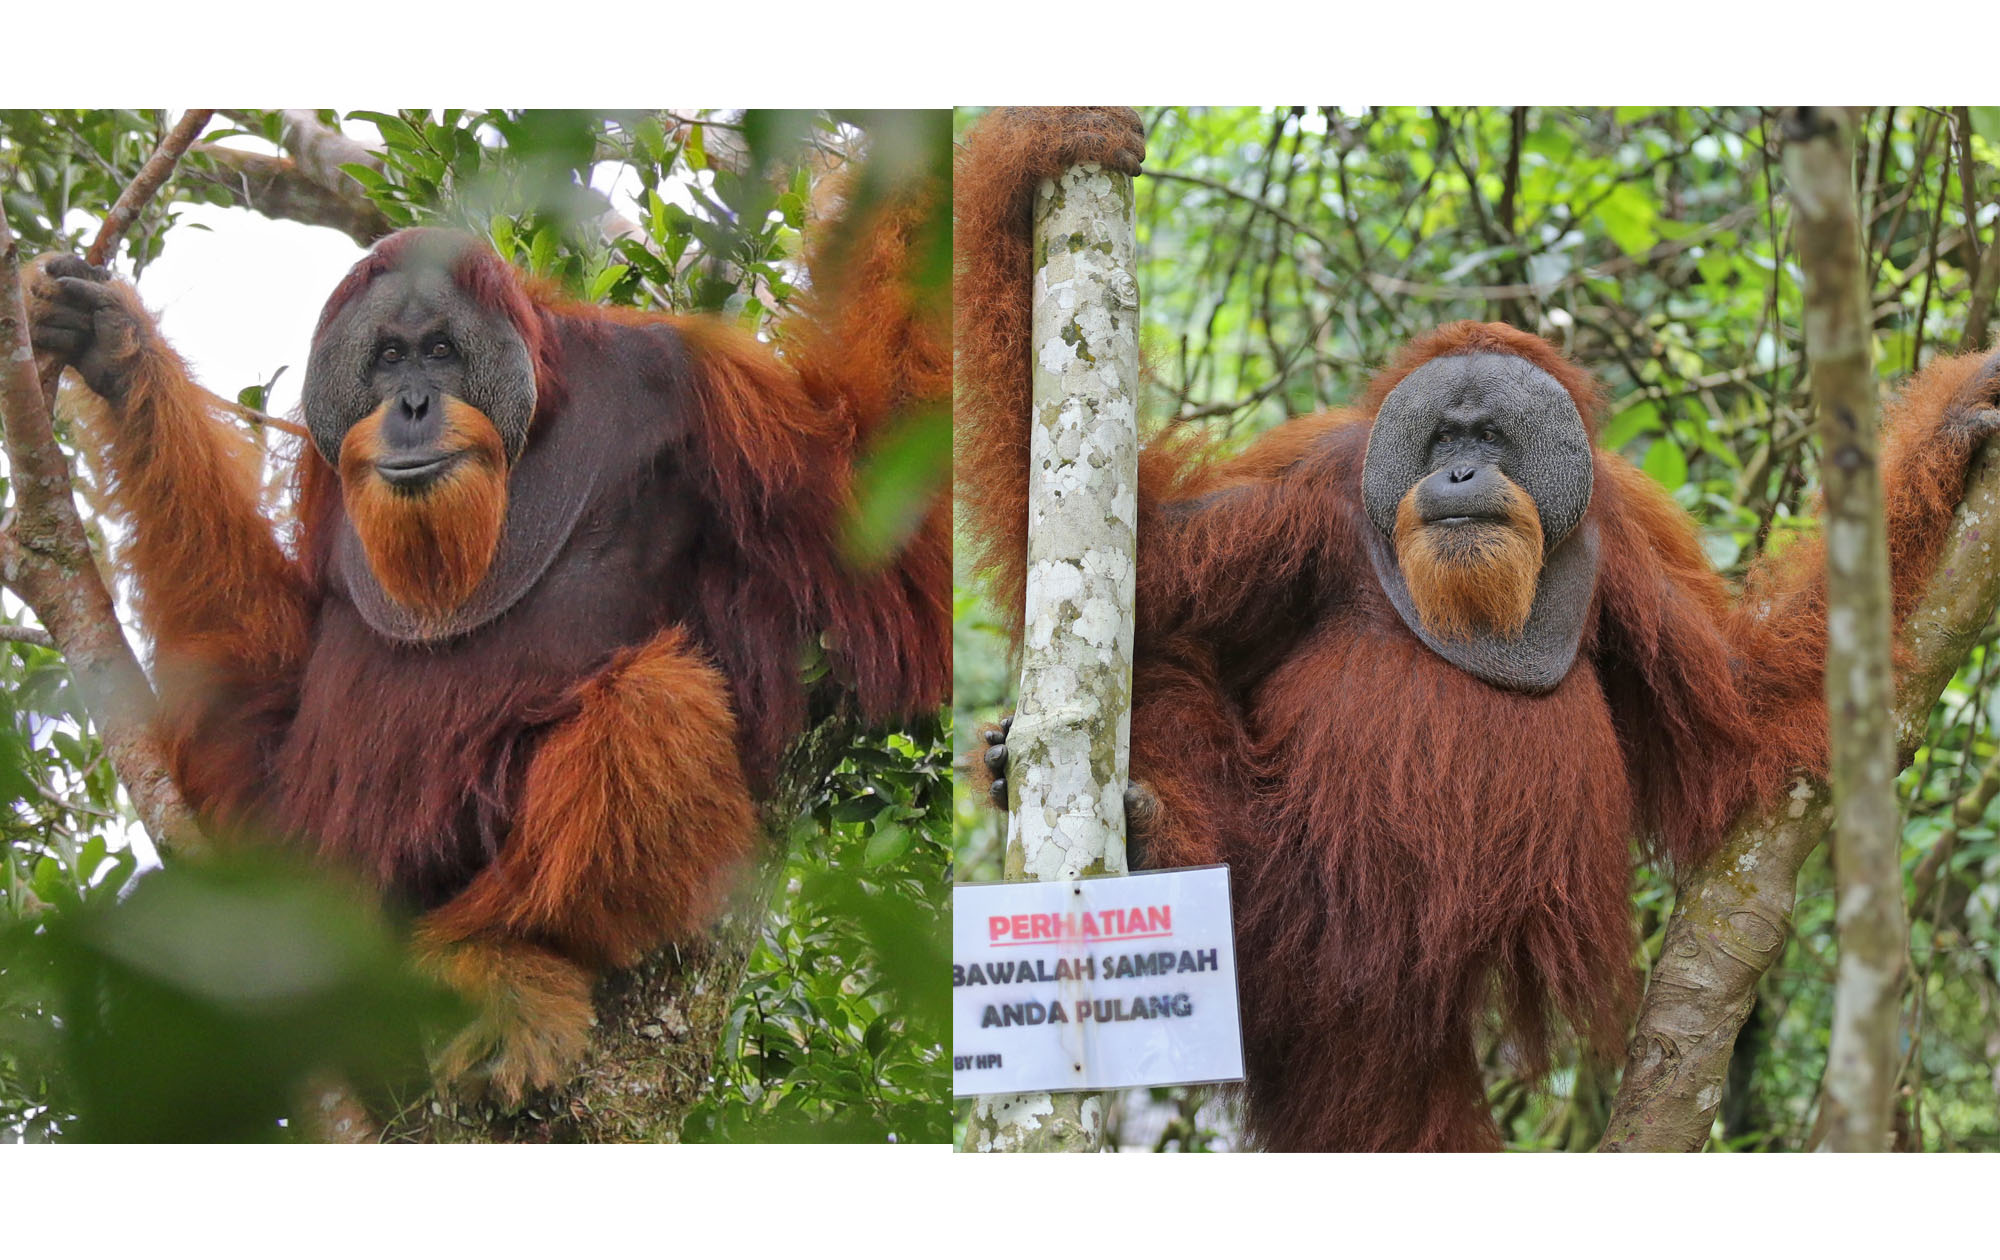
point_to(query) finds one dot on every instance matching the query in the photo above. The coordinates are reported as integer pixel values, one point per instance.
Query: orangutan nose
(412, 421)
(1475, 491)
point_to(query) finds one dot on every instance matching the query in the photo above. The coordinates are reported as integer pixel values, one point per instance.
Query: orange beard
(429, 548)
(1472, 578)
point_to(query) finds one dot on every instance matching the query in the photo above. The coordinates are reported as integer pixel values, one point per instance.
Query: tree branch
(1734, 912)
(46, 560)
(125, 211)
(35, 635)
(279, 188)
(321, 151)
(1979, 307)
(1873, 931)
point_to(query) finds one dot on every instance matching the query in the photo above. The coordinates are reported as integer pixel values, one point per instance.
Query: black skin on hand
(1973, 412)
(1142, 808)
(76, 315)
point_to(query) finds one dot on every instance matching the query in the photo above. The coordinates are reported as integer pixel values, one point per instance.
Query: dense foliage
(838, 1031)
(1286, 252)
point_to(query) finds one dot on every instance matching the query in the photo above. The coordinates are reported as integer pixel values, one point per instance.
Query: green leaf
(1627, 215)
(887, 844)
(1642, 417)
(368, 177)
(542, 252)
(602, 283)
(1666, 464)
(396, 132)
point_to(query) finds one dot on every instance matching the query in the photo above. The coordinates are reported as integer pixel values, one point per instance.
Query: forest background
(1286, 252)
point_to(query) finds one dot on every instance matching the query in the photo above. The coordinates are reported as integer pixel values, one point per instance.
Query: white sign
(1094, 984)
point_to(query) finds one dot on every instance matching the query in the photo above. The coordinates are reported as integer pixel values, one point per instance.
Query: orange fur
(635, 820)
(862, 312)
(430, 548)
(1468, 578)
(532, 1012)
(231, 614)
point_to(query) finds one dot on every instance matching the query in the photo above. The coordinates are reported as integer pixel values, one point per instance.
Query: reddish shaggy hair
(569, 784)
(1411, 848)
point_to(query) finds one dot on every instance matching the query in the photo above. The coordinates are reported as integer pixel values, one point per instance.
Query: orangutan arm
(1722, 703)
(1006, 157)
(776, 446)
(226, 609)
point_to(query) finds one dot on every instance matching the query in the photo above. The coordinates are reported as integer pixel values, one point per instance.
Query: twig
(1930, 270)
(1396, 286)
(254, 416)
(1264, 207)
(1966, 812)
(125, 211)
(26, 634)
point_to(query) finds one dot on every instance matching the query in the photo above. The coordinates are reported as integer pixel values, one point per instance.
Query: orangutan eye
(440, 350)
(392, 354)
(1489, 435)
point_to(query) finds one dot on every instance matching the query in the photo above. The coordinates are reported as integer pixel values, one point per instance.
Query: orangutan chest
(1367, 736)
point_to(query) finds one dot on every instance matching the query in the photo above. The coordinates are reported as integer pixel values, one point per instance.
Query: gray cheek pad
(500, 379)
(1550, 450)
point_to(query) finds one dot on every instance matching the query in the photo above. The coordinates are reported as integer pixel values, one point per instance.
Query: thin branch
(1237, 194)
(1966, 812)
(125, 211)
(280, 188)
(26, 634)
(1395, 286)
(254, 417)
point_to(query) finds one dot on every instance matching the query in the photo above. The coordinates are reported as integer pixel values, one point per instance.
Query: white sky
(239, 301)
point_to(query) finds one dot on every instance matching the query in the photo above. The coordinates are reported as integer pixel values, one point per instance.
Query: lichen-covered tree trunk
(1861, 1061)
(1067, 748)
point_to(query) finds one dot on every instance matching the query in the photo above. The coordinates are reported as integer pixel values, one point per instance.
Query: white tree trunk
(1067, 751)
